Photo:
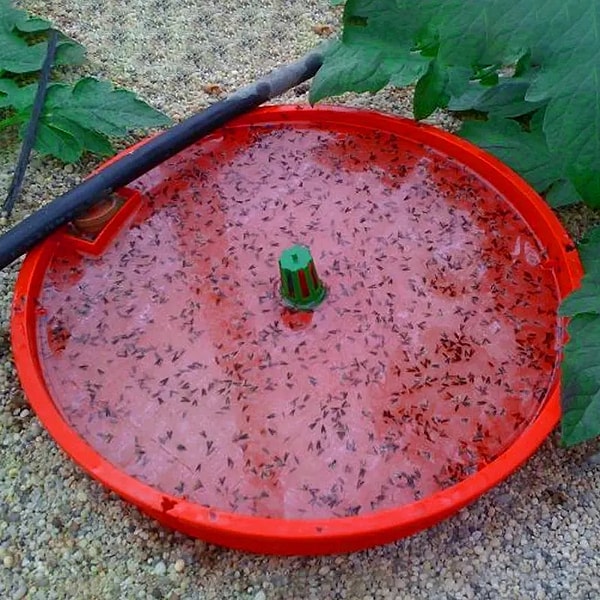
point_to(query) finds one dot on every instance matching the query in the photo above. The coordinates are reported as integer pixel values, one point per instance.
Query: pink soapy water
(172, 355)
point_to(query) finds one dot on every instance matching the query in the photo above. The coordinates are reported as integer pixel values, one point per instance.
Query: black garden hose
(32, 230)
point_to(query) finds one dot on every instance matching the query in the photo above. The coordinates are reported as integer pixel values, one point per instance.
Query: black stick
(63, 209)
(29, 140)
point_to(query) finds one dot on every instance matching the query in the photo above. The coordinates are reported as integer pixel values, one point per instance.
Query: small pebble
(20, 593)
(160, 568)
(593, 459)
(260, 595)
(179, 565)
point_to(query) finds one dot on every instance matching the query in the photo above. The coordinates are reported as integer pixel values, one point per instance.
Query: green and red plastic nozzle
(300, 287)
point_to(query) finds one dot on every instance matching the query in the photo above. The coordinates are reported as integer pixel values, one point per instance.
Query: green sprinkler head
(301, 287)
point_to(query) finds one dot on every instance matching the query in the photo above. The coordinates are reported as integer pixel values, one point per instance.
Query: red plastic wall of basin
(289, 537)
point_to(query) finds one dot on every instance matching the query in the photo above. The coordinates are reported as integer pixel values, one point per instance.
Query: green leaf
(11, 17)
(53, 141)
(583, 300)
(489, 79)
(7, 89)
(587, 183)
(19, 97)
(90, 140)
(458, 80)
(80, 118)
(362, 72)
(75, 119)
(376, 49)
(344, 61)
(18, 55)
(460, 34)
(525, 152)
(580, 387)
(524, 65)
(506, 99)
(562, 193)
(427, 42)
(32, 25)
(555, 45)
(588, 252)
(67, 141)
(69, 52)
(581, 362)
(586, 298)
(94, 104)
(430, 92)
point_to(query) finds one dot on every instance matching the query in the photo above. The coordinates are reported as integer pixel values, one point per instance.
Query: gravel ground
(537, 536)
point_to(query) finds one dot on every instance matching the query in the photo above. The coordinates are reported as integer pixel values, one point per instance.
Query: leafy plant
(454, 51)
(21, 50)
(76, 118)
(530, 68)
(581, 365)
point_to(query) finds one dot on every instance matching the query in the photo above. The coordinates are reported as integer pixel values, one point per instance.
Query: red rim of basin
(310, 536)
